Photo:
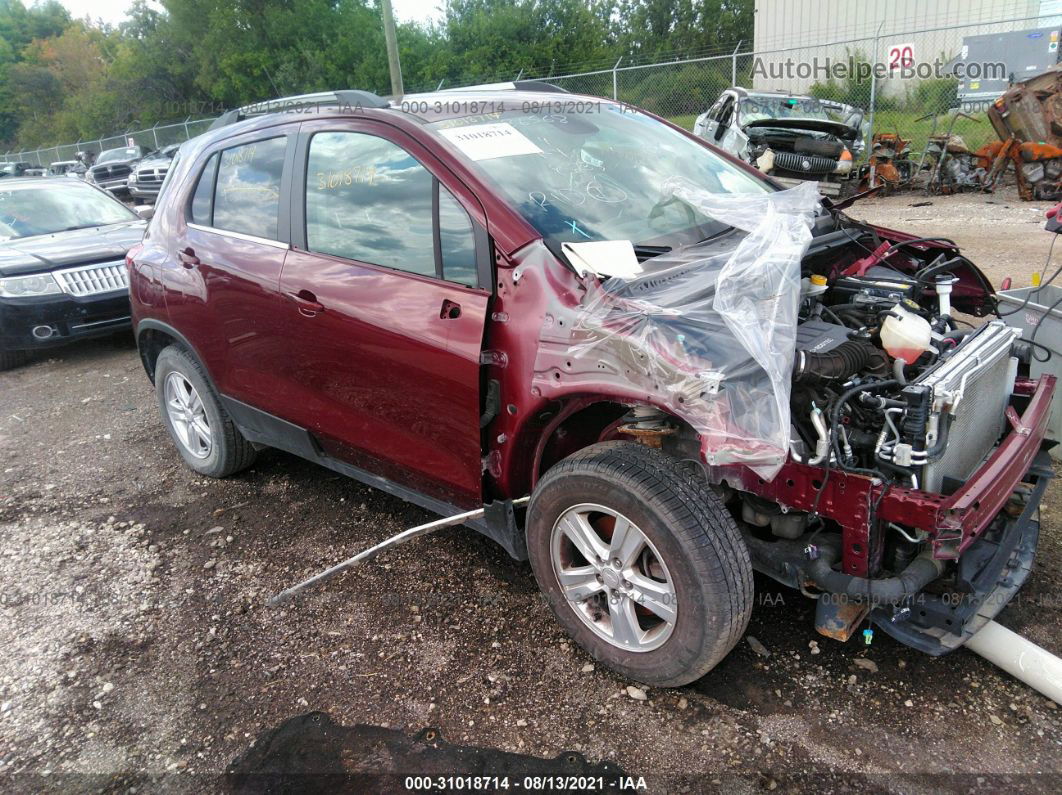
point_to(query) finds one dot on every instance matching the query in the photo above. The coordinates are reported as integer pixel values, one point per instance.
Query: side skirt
(499, 520)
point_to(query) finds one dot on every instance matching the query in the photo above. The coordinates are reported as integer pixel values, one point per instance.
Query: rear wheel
(641, 562)
(206, 437)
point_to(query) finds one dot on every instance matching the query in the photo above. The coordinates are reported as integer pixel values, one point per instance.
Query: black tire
(692, 532)
(230, 452)
(12, 359)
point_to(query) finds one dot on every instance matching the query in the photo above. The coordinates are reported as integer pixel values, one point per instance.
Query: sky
(113, 11)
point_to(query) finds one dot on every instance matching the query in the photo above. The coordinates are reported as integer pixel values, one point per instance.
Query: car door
(387, 289)
(222, 276)
(723, 133)
(708, 123)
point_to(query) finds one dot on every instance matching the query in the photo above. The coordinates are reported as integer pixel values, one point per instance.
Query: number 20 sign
(901, 56)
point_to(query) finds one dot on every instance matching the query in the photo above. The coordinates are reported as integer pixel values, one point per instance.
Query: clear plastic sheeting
(707, 333)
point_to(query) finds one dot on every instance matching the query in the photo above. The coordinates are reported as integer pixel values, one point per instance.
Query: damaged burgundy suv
(465, 298)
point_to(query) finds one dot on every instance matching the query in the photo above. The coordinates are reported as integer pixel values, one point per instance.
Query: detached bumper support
(994, 568)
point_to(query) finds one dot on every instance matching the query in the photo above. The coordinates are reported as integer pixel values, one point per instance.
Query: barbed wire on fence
(684, 85)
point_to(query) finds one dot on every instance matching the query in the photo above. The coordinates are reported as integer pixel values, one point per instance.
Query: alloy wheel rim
(188, 416)
(613, 577)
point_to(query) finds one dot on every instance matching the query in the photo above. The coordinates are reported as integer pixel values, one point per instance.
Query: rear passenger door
(387, 290)
(222, 284)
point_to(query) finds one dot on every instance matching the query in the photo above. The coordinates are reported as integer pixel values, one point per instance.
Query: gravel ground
(138, 652)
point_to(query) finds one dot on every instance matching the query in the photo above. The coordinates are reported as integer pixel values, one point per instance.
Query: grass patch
(686, 121)
(905, 123)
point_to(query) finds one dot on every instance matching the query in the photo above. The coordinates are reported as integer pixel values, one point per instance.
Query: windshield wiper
(643, 252)
(73, 228)
(714, 235)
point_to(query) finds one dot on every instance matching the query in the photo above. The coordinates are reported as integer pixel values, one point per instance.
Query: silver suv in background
(113, 167)
(147, 177)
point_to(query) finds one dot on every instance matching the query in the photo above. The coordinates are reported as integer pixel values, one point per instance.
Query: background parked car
(83, 161)
(62, 268)
(146, 179)
(35, 171)
(113, 167)
(791, 138)
(61, 167)
(14, 169)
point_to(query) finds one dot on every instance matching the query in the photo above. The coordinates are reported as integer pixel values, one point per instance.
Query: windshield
(46, 208)
(598, 175)
(758, 108)
(119, 154)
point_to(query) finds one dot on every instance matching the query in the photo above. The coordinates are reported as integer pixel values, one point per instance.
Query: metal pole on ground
(288, 594)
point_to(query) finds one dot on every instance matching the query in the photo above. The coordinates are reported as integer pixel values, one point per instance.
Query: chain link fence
(156, 137)
(905, 83)
(916, 84)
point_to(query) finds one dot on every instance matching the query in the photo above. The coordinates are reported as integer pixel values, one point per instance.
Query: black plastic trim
(150, 324)
(361, 99)
(499, 520)
(539, 85)
(937, 625)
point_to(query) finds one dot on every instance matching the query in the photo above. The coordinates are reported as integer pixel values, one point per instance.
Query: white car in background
(792, 138)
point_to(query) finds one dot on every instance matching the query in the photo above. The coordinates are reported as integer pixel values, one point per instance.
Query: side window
(713, 112)
(203, 198)
(247, 198)
(457, 246)
(368, 199)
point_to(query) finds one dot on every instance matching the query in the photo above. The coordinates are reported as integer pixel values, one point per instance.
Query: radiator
(973, 386)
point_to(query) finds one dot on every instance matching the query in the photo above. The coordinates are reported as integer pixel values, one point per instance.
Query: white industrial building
(797, 40)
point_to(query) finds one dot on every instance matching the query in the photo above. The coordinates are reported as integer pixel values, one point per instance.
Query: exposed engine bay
(818, 370)
(883, 374)
(782, 151)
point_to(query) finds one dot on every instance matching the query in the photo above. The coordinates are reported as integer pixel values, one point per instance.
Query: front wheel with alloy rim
(205, 436)
(640, 561)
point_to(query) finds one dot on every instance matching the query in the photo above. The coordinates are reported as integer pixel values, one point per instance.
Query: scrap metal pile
(1028, 120)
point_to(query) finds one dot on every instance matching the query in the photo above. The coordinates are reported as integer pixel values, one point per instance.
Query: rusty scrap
(1028, 116)
(889, 165)
(649, 435)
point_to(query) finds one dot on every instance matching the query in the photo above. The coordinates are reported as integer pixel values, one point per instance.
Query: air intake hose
(840, 364)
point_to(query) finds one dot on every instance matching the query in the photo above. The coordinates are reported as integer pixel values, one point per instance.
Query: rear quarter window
(202, 208)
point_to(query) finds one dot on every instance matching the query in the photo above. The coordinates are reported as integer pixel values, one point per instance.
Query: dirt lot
(137, 651)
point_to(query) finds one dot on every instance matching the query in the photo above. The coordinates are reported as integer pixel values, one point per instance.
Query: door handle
(307, 303)
(451, 310)
(188, 258)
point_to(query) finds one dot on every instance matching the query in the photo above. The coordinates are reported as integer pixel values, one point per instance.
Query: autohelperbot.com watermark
(851, 68)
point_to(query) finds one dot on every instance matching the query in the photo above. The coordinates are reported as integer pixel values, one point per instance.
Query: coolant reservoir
(905, 335)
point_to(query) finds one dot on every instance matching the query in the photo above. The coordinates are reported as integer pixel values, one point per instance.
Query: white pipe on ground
(1020, 658)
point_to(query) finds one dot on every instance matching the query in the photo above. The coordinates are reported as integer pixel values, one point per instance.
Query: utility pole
(392, 48)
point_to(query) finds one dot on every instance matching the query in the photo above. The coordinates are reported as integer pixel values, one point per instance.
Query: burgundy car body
(371, 372)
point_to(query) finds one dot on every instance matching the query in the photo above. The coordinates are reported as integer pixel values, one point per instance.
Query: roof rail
(344, 97)
(515, 85)
(539, 85)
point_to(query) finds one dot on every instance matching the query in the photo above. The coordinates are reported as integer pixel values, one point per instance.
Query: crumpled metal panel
(707, 333)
